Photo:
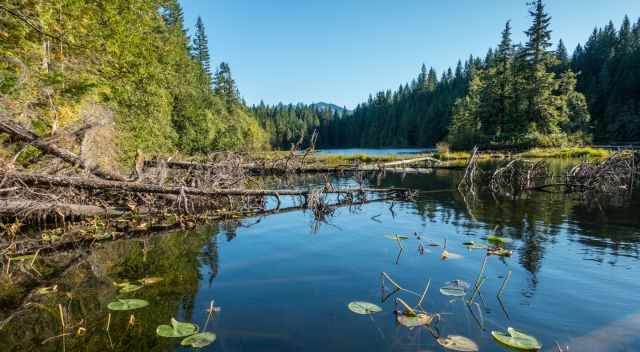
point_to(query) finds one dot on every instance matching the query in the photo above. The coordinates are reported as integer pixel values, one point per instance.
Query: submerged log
(20, 133)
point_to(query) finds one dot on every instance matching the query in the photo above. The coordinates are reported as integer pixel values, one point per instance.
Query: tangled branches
(517, 176)
(614, 175)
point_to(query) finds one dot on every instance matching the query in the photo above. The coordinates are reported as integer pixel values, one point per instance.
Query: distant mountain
(332, 107)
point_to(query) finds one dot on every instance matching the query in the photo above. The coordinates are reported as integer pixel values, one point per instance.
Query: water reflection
(284, 287)
(86, 288)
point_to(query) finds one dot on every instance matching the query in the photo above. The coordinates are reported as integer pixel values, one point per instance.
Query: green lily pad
(499, 240)
(199, 340)
(517, 339)
(457, 288)
(397, 237)
(177, 329)
(129, 288)
(127, 304)
(414, 321)
(364, 308)
(458, 343)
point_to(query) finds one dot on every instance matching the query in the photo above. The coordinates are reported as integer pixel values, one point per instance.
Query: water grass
(565, 153)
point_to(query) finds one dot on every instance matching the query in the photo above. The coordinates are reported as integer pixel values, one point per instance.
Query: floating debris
(47, 290)
(147, 281)
(516, 339)
(473, 245)
(397, 237)
(446, 255)
(128, 288)
(458, 343)
(127, 304)
(364, 308)
(176, 329)
(456, 288)
(500, 252)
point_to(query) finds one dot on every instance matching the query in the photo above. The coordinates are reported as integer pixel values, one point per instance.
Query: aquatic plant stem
(504, 283)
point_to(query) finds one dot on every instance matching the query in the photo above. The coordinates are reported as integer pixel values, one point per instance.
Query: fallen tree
(256, 168)
(97, 184)
(22, 134)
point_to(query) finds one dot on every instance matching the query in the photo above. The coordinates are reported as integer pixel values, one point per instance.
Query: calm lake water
(283, 282)
(374, 152)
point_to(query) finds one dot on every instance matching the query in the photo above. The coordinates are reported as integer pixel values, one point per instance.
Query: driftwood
(20, 133)
(97, 184)
(258, 169)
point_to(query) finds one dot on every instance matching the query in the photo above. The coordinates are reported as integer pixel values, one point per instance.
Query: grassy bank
(457, 156)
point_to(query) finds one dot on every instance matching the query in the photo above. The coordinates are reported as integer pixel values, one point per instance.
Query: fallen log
(255, 169)
(24, 208)
(20, 133)
(98, 184)
(412, 161)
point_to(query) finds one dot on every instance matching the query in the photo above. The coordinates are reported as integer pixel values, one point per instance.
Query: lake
(374, 151)
(283, 282)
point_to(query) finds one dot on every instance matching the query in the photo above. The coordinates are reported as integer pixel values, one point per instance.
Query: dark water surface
(283, 283)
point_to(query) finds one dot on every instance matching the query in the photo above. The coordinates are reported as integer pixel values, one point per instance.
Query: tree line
(517, 95)
(134, 57)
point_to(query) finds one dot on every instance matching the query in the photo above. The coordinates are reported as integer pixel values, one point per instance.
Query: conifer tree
(200, 47)
(225, 85)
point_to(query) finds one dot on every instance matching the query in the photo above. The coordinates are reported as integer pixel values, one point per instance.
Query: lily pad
(199, 340)
(456, 288)
(410, 321)
(130, 288)
(397, 237)
(517, 339)
(364, 308)
(499, 239)
(177, 329)
(127, 304)
(458, 343)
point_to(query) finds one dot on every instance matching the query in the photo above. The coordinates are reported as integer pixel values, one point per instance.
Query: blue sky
(340, 51)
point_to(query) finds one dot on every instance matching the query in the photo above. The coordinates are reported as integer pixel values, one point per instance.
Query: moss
(10, 293)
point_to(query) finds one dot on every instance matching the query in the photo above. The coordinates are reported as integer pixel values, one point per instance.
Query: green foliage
(517, 100)
(176, 329)
(129, 55)
(608, 76)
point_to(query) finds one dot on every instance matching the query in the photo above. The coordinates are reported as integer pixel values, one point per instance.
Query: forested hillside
(517, 95)
(128, 64)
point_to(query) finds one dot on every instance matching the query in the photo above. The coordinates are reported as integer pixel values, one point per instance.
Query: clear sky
(340, 51)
